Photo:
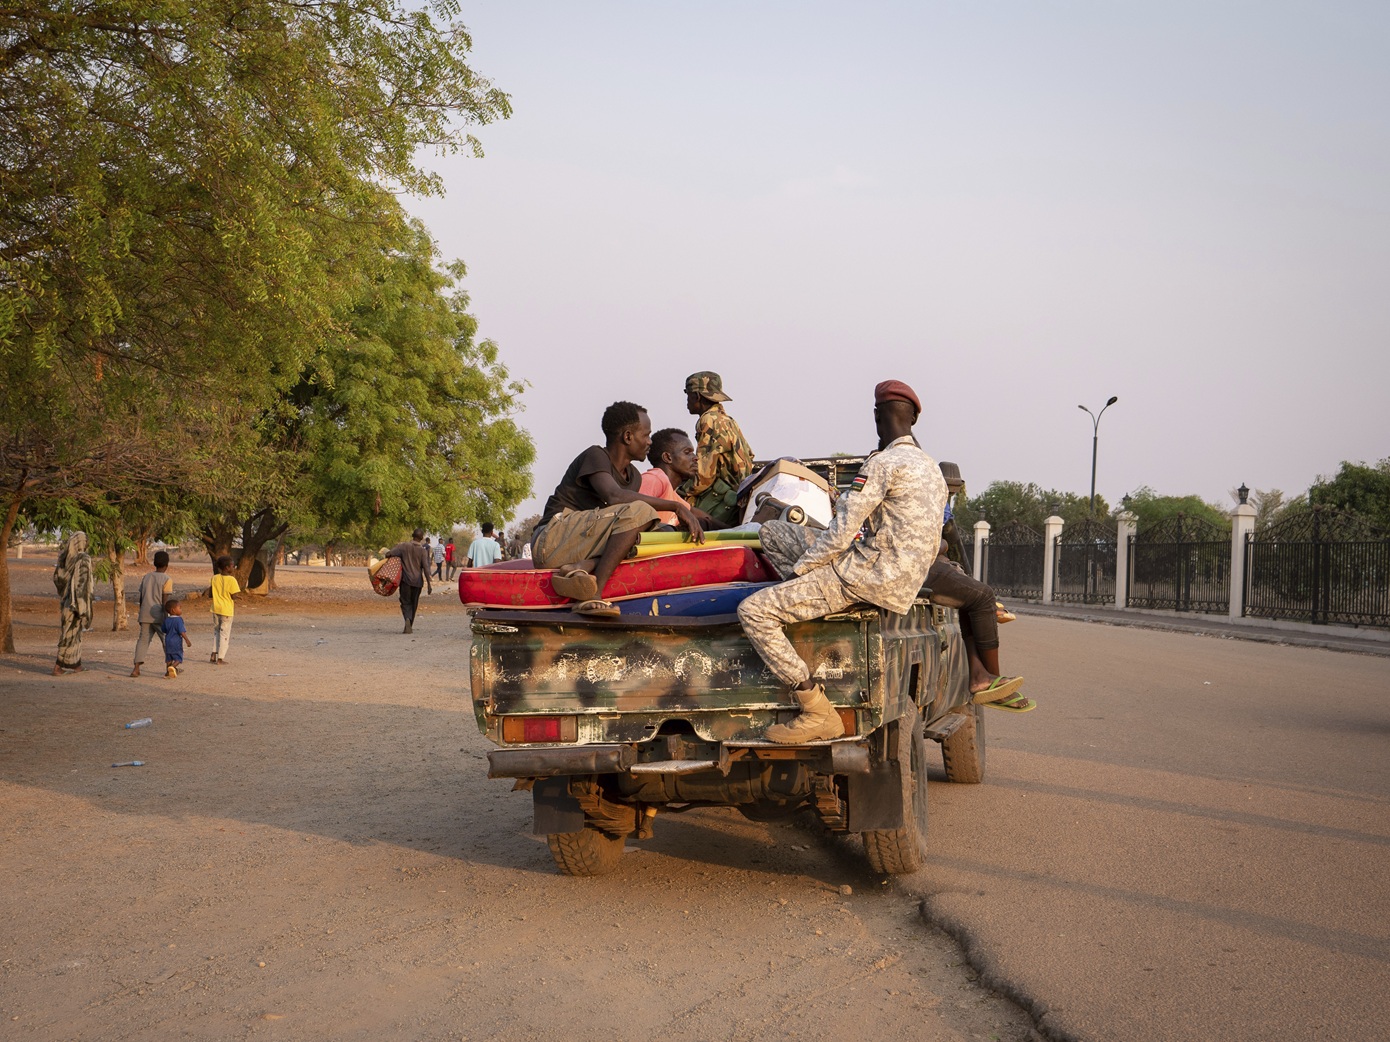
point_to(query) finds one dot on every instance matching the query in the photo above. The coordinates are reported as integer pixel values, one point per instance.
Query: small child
(175, 637)
(224, 588)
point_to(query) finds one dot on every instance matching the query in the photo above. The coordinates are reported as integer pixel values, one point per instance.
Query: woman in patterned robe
(73, 578)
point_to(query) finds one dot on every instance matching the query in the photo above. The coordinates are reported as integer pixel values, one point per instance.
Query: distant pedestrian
(500, 538)
(484, 550)
(449, 563)
(438, 555)
(415, 573)
(175, 637)
(155, 588)
(224, 588)
(73, 579)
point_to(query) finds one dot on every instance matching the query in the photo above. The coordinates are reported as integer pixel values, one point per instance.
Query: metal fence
(1181, 564)
(1013, 560)
(1083, 564)
(1319, 565)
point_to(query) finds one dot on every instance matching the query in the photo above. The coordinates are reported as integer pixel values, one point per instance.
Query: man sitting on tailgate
(597, 512)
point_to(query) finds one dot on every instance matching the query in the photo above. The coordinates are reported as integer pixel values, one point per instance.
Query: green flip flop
(1001, 688)
(1015, 703)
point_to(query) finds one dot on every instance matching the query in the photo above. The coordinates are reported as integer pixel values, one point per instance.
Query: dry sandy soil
(312, 850)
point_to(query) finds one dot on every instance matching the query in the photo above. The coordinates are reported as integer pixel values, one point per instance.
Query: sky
(1017, 208)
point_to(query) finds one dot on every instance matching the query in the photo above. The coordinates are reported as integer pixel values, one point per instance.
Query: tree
(1005, 501)
(1149, 508)
(186, 196)
(403, 419)
(1358, 488)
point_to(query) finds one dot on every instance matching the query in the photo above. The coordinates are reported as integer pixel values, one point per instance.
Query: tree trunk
(275, 557)
(328, 553)
(6, 609)
(257, 530)
(119, 619)
(217, 536)
(142, 546)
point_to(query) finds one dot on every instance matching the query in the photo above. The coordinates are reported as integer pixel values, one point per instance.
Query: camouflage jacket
(721, 451)
(898, 498)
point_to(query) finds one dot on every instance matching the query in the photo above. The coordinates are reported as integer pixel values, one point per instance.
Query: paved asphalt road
(1188, 840)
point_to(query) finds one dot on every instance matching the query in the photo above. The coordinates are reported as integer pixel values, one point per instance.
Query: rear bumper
(548, 763)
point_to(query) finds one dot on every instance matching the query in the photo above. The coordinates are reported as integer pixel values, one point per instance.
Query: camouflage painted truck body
(608, 722)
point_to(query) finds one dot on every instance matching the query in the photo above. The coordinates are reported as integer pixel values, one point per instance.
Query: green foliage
(406, 419)
(1149, 508)
(1357, 488)
(1005, 501)
(191, 201)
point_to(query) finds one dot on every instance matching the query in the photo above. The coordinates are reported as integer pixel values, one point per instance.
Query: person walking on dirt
(155, 588)
(484, 550)
(415, 574)
(897, 499)
(72, 577)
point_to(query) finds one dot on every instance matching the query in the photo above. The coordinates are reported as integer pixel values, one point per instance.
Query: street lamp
(1095, 439)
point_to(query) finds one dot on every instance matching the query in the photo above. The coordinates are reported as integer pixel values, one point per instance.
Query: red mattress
(513, 584)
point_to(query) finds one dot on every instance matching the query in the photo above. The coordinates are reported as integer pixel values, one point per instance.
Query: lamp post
(1095, 440)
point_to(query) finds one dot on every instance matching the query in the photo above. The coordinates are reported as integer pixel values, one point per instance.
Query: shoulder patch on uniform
(857, 483)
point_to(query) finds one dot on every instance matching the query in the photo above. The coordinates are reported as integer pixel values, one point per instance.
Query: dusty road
(1190, 839)
(313, 851)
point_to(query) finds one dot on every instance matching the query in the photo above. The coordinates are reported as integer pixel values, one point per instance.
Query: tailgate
(625, 678)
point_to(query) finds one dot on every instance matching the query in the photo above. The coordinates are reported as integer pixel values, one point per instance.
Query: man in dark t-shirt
(593, 518)
(415, 573)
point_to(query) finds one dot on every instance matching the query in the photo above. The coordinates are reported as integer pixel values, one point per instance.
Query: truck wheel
(964, 751)
(903, 850)
(588, 852)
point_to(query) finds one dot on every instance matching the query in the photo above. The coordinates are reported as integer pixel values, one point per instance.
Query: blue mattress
(710, 600)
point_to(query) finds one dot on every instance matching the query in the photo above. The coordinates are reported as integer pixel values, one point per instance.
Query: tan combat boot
(816, 722)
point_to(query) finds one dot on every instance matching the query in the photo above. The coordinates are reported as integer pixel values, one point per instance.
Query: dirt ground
(312, 850)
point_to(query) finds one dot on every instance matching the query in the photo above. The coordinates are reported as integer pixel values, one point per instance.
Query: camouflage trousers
(810, 596)
(784, 543)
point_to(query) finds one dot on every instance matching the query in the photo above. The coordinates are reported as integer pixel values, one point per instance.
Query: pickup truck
(609, 723)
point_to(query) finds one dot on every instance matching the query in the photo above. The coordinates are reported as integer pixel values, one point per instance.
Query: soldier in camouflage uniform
(897, 498)
(723, 457)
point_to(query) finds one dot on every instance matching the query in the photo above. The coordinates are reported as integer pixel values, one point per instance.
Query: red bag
(386, 576)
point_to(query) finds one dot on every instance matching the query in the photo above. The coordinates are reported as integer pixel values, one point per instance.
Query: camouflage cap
(706, 385)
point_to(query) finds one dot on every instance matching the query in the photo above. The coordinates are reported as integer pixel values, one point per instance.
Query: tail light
(540, 728)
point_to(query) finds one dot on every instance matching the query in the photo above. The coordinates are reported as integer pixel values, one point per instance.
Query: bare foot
(76, 669)
(212, 658)
(57, 671)
(135, 672)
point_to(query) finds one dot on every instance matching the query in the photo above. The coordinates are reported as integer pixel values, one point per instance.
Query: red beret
(897, 391)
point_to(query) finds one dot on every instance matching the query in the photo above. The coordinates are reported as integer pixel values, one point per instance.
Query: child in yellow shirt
(224, 588)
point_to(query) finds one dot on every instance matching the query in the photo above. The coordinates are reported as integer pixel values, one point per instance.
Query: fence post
(981, 535)
(1242, 524)
(1124, 532)
(1052, 530)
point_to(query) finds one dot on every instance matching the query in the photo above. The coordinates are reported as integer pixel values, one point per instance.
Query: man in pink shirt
(673, 460)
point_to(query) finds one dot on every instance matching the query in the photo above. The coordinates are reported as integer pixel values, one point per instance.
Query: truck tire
(964, 751)
(588, 852)
(902, 850)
